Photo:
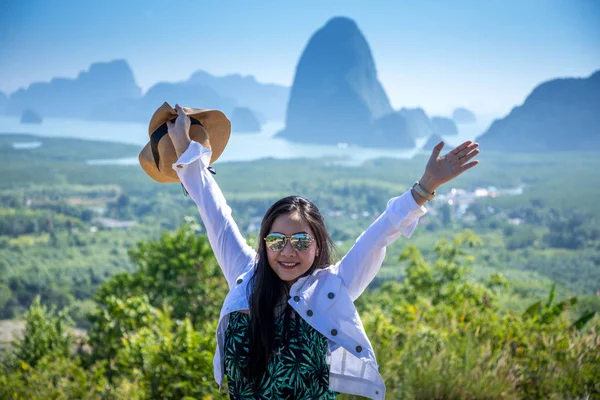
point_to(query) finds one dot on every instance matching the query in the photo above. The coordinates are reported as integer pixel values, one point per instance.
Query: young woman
(288, 328)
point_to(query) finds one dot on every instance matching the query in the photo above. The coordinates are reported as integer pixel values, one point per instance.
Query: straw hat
(158, 156)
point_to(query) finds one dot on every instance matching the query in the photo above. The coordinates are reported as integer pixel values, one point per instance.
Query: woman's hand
(179, 131)
(440, 170)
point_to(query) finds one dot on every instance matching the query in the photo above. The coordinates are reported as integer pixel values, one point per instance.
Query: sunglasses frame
(286, 238)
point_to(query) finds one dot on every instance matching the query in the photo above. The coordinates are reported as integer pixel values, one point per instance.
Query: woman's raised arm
(360, 265)
(231, 250)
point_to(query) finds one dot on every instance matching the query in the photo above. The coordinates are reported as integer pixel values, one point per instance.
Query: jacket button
(309, 313)
(331, 295)
(377, 392)
(358, 349)
(296, 298)
(334, 332)
(239, 281)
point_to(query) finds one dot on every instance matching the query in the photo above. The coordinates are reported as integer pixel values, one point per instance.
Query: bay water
(241, 146)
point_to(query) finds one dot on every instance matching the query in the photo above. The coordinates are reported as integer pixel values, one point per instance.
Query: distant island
(558, 115)
(244, 120)
(336, 96)
(31, 117)
(108, 92)
(75, 98)
(431, 143)
(462, 115)
(3, 101)
(417, 122)
(443, 126)
(267, 99)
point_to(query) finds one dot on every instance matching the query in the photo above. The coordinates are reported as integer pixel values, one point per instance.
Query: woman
(288, 328)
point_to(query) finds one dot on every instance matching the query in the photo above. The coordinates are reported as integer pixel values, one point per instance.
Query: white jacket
(324, 299)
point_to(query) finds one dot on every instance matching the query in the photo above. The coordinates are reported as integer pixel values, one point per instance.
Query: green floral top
(297, 370)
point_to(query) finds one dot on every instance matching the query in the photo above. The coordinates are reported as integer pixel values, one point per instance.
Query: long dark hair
(268, 291)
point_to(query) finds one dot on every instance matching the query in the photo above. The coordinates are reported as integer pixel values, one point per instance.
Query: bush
(56, 378)
(45, 335)
(171, 360)
(439, 336)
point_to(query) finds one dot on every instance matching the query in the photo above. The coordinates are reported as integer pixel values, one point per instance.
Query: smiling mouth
(288, 265)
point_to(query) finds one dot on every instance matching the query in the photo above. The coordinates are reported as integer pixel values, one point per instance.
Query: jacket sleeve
(231, 250)
(362, 262)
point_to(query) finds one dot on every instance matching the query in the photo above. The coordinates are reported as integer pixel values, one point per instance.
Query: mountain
(141, 109)
(3, 102)
(190, 93)
(463, 116)
(31, 117)
(268, 99)
(336, 96)
(392, 130)
(108, 92)
(443, 126)
(244, 120)
(417, 121)
(431, 142)
(64, 97)
(561, 114)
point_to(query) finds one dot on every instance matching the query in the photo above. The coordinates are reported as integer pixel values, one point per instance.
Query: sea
(241, 146)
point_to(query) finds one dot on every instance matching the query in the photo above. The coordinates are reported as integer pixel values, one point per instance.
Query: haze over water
(241, 146)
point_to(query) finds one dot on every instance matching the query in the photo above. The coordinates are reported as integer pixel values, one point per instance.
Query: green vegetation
(89, 241)
(437, 334)
(443, 337)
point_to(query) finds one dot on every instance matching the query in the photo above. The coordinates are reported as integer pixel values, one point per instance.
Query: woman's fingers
(467, 150)
(179, 125)
(461, 147)
(468, 166)
(179, 110)
(469, 156)
(436, 150)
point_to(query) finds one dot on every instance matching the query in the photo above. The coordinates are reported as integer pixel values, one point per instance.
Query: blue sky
(486, 55)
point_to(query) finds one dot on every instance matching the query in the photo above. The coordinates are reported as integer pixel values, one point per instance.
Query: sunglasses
(299, 241)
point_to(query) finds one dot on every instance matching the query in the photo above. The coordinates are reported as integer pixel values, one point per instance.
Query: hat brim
(213, 133)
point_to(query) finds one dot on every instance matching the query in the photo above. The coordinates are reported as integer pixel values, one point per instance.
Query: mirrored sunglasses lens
(301, 242)
(275, 242)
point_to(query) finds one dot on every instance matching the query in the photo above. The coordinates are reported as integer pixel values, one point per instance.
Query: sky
(486, 55)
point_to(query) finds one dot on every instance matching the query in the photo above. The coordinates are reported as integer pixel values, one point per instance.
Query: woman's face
(288, 263)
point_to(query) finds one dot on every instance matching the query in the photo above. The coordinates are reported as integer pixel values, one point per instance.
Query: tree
(45, 334)
(440, 335)
(171, 359)
(445, 281)
(115, 319)
(179, 269)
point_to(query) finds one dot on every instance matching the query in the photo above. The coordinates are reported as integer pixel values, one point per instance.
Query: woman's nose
(288, 249)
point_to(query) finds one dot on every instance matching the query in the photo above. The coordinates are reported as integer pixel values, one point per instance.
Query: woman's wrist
(420, 200)
(428, 183)
(181, 143)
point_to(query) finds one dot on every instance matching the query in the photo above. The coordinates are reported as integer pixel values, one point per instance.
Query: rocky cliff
(336, 96)
(268, 99)
(63, 97)
(561, 114)
(244, 120)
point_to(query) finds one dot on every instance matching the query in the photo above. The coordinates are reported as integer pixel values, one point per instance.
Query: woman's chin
(290, 274)
(287, 275)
